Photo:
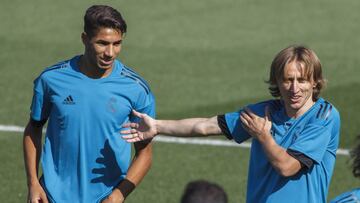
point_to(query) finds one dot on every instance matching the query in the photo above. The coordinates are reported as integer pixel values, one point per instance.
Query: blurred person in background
(202, 191)
(85, 100)
(295, 136)
(352, 196)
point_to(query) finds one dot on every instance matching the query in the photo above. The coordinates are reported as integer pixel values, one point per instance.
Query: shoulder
(324, 110)
(134, 77)
(273, 105)
(324, 114)
(350, 196)
(55, 69)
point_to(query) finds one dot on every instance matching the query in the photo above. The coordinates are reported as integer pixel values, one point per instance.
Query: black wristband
(126, 187)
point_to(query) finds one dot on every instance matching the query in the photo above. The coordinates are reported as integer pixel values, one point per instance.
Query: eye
(302, 80)
(118, 43)
(102, 43)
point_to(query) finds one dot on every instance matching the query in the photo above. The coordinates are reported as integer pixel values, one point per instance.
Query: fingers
(249, 112)
(245, 117)
(244, 122)
(137, 114)
(130, 125)
(135, 139)
(35, 200)
(128, 131)
(130, 136)
(44, 199)
(267, 113)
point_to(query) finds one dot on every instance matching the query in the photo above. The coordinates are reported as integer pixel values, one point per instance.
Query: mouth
(106, 62)
(295, 98)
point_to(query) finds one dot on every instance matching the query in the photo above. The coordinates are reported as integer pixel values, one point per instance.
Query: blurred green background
(201, 58)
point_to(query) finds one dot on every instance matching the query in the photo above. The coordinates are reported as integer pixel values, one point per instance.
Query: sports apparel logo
(68, 100)
(111, 105)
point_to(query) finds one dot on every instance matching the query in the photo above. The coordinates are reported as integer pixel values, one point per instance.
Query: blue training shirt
(352, 196)
(315, 135)
(84, 157)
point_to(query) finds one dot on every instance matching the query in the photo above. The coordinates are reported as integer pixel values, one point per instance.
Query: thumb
(137, 114)
(267, 113)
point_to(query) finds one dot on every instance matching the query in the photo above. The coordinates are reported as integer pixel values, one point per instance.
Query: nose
(294, 86)
(109, 51)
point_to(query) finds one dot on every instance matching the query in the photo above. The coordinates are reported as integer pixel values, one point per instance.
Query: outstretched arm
(148, 127)
(32, 152)
(259, 128)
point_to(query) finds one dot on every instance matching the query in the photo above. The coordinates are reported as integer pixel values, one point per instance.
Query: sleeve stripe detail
(328, 112)
(348, 198)
(60, 65)
(127, 69)
(324, 113)
(223, 126)
(136, 78)
(317, 115)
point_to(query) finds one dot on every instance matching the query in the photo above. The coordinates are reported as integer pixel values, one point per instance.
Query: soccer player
(85, 100)
(295, 136)
(203, 191)
(352, 196)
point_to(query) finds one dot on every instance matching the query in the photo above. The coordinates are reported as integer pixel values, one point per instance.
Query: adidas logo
(68, 100)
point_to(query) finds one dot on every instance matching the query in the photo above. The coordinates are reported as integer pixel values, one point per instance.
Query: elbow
(199, 130)
(203, 128)
(287, 170)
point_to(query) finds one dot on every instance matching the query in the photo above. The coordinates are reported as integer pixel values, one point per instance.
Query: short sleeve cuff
(302, 158)
(223, 126)
(36, 123)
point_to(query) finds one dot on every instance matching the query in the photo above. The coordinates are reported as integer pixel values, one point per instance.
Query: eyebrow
(107, 42)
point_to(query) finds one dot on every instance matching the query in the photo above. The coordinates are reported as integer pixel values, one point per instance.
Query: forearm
(191, 127)
(140, 165)
(285, 164)
(32, 152)
(137, 171)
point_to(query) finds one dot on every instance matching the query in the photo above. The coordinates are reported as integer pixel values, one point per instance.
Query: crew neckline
(74, 63)
(291, 120)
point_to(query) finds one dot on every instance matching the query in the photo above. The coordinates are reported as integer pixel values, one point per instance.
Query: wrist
(266, 139)
(32, 182)
(125, 187)
(158, 124)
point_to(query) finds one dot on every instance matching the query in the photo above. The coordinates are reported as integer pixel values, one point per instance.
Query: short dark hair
(98, 16)
(203, 191)
(306, 58)
(355, 155)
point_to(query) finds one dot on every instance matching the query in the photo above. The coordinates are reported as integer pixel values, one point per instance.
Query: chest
(285, 134)
(78, 100)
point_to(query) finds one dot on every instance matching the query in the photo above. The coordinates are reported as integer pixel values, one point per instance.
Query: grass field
(201, 58)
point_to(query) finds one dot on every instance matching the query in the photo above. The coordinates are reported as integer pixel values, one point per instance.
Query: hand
(145, 129)
(256, 126)
(37, 194)
(114, 197)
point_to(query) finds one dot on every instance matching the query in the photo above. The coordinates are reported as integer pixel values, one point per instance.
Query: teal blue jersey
(352, 196)
(83, 156)
(312, 139)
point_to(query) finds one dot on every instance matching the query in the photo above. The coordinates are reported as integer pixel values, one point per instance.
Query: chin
(103, 67)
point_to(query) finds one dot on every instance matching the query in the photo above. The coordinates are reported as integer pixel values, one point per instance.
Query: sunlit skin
(296, 90)
(101, 51)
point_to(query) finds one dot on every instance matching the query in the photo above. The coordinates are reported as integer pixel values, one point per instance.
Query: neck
(296, 113)
(91, 70)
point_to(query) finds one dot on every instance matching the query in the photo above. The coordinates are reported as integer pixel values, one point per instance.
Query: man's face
(296, 90)
(102, 49)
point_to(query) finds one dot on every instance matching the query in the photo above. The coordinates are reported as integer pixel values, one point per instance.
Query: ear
(84, 38)
(314, 85)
